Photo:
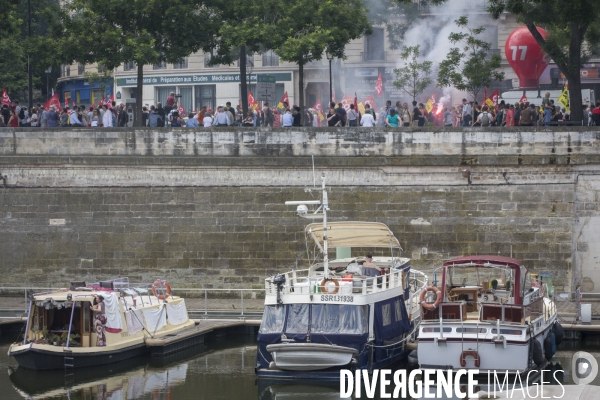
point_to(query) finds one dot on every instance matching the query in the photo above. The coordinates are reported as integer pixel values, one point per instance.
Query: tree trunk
(243, 80)
(301, 90)
(574, 76)
(137, 121)
(570, 66)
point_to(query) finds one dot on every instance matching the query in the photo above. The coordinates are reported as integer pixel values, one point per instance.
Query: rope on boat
(397, 343)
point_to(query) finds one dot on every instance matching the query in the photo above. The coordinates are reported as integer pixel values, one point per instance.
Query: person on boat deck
(370, 264)
(99, 320)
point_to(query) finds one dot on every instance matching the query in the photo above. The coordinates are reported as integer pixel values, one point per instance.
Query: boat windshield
(324, 319)
(477, 276)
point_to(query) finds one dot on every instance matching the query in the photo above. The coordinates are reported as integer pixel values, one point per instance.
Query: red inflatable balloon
(526, 57)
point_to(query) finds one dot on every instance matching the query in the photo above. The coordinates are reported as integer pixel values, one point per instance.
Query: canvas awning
(353, 234)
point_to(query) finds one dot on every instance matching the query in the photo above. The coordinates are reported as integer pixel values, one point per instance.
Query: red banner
(379, 85)
(370, 100)
(252, 104)
(346, 101)
(523, 99)
(53, 101)
(5, 98)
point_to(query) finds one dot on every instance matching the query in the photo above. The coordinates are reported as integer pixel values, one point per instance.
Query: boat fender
(559, 333)
(438, 300)
(538, 354)
(472, 353)
(549, 346)
(413, 358)
(327, 288)
(158, 283)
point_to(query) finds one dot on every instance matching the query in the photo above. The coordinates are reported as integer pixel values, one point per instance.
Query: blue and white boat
(338, 314)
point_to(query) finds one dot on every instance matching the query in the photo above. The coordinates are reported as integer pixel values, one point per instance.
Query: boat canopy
(353, 234)
(491, 261)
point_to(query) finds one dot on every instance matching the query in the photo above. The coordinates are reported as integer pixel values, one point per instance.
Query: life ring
(472, 353)
(324, 286)
(438, 300)
(158, 283)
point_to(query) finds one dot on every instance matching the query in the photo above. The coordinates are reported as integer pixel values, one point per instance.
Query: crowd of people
(401, 115)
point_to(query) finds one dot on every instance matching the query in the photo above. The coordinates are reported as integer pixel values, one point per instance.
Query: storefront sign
(197, 79)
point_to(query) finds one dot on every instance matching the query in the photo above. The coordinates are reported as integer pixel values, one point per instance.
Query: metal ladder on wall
(69, 363)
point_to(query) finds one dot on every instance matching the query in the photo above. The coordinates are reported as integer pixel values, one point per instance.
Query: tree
(570, 24)
(244, 28)
(413, 78)
(309, 27)
(469, 68)
(13, 66)
(146, 32)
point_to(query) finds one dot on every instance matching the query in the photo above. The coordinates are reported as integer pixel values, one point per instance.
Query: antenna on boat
(302, 211)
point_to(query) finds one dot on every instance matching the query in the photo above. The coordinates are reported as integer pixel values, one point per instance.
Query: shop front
(197, 90)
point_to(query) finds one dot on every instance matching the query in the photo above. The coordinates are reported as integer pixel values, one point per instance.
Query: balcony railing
(369, 56)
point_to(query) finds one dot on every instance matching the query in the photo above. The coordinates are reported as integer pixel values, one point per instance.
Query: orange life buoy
(472, 353)
(158, 283)
(438, 300)
(324, 283)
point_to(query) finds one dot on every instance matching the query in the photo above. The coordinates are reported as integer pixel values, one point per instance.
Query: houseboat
(487, 314)
(62, 330)
(346, 313)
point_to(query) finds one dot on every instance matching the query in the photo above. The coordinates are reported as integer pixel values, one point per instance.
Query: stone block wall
(77, 207)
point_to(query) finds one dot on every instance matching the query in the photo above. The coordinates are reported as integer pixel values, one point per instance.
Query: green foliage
(414, 77)
(570, 25)
(13, 66)
(307, 28)
(469, 67)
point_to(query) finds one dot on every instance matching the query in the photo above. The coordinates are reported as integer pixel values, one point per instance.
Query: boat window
(386, 314)
(478, 276)
(297, 320)
(471, 330)
(272, 321)
(398, 310)
(508, 331)
(339, 318)
(431, 330)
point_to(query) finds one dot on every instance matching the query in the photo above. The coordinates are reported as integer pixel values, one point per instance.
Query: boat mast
(325, 206)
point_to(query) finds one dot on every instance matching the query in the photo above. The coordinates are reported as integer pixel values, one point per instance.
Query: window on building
(249, 61)
(66, 70)
(374, 46)
(101, 68)
(162, 92)
(205, 95)
(270, 59)
(129, 66)
(80, 69)
(182, 64)
(207, 57)
(160, 65)
(186, 97)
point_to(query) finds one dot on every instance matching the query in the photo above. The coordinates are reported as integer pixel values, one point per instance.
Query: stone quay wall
(205, 208)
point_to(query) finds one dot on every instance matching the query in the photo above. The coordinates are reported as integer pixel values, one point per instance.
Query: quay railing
(202, 302)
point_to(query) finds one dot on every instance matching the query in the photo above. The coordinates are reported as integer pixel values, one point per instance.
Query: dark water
(223, 369)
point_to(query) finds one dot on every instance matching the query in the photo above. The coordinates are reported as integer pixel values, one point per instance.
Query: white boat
(338, 313)
(60, 332)
(488, 315)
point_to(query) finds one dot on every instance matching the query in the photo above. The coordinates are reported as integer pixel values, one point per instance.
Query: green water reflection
(223, 369)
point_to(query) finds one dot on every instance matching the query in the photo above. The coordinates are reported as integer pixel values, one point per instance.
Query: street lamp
(330, 57)
(48, 72)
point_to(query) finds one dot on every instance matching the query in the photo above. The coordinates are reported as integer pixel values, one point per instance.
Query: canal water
(222, 369)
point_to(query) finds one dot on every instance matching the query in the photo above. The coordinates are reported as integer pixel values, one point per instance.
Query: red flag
(379, 86)
(110, 100)
(285, 99)
(5, 98)
(355, 102)
(181, 110)
(346, 101)
(53, 101)
(370, 100)
(523, 99)
(319, 108)
(252, 104)
(492, 101)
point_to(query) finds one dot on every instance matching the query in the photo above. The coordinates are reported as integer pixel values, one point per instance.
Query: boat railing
(303, 282)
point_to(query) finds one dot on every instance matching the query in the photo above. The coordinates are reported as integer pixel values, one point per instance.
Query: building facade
(198, 84)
